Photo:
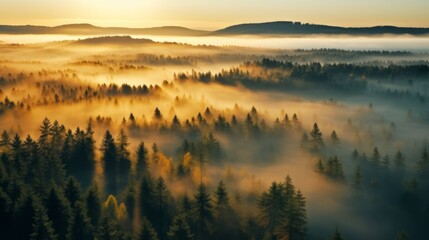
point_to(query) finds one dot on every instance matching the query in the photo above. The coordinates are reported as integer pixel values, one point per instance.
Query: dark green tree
(146, 231)
(59, 211)
(93, 205)
(271, 205)
(316, 137)
(202, 212)
(109, 159)
(175, 123)
(42, 226)
(146, 197)
(161, 197)
(142, 163)
(72, 191)
(80, 228)
(123, 159)
(180, 229)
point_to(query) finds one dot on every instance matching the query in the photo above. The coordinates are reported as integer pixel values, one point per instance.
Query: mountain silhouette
(267, 28)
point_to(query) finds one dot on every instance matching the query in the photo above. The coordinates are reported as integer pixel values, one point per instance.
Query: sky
(214, 14)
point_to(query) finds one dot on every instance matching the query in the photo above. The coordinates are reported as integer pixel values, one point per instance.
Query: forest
(122, 138)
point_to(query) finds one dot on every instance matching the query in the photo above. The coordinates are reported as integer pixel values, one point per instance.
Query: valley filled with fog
(278, 138)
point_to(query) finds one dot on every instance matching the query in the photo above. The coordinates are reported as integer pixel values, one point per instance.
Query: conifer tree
(146, 197)
(80, 228)
(93, 205)
(42, 226)
(59, 211)
(180, 229)
(376, 157)
(109, 159)
(335, 141)
(146, 231)
(123, 159)
(72, 191)
(161, 199)
(142, 163)
(272, 206)
(202, 212)
(316, 137)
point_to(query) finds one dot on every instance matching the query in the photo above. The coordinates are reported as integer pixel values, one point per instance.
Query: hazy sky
(211, 14)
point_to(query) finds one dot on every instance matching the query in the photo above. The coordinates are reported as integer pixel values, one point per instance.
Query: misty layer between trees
(172, 141)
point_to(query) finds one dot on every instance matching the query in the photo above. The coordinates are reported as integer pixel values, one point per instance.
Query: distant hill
(112, 40)
(268, 28)
(295, 28)
(88, 29)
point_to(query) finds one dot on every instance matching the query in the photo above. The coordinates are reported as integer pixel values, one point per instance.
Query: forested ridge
(49, 190)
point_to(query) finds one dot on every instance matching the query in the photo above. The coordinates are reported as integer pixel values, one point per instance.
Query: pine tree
(80, 227)
(161, 197)
(146, 231)
(335, 141)
(334, 168)
(249, 126)
(5, 141)
(109, 159)
(67, 153)
(286, 122)
(44, 137)
(32, 165)
(316, 137)
(88, 163)
(296, 123)
(222, 206)
(24, 215)
(298, 220)
(376, 157)
(146, 197)
(59, 212)
(226, 220)
(17, 155)
(109, 227)
(202, 212)
(72, 191)
(56, 133)
(123, 159)
(180, 229)
(175, 123)
(142, 159)
(93, 205)
(130, 199)
(42, 226)
(271, 205)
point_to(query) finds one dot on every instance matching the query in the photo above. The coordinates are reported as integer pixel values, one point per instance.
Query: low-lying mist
(348, 127)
